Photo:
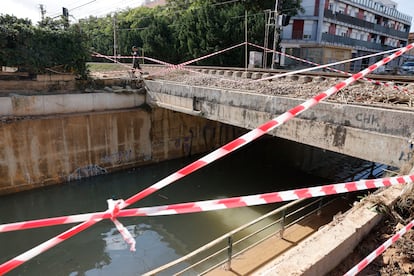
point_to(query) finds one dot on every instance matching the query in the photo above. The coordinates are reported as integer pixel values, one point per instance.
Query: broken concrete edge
(325, 249)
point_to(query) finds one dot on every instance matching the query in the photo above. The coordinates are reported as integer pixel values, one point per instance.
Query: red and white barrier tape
(181, 66)
(174, 66)
(209, 158)
(374, 254)
(130, 67)
(212, 54)
(113, 208)
(323, 66)
(337, 70)
(218, 204)
(111, 59)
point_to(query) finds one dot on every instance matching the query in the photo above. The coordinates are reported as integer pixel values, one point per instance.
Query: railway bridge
(382, 134)
(376, 132)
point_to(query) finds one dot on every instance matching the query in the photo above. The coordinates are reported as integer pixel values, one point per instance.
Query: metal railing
(287, 217)
(342, 40)
(365, 24)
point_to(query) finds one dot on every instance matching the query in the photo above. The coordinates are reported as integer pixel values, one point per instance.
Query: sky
(79, 9)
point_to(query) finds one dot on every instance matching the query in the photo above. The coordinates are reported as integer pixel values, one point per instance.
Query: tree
(185, 29)
(34, 49)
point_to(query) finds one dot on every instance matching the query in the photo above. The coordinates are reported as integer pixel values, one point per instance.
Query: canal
(100, 250)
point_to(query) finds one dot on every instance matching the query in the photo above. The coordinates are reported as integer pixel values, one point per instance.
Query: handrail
(266, 237)
(220, 239)
(229, 235)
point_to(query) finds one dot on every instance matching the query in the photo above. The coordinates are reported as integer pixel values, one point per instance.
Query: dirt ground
(398, 259)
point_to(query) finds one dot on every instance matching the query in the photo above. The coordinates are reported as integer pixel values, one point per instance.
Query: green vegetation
(183, 29)
(37, 49)
(180, 31)
(104, 67)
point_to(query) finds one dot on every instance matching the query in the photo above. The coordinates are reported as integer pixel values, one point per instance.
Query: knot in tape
(114, 206)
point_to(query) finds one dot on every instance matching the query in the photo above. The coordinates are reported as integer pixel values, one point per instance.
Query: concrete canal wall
(50, 139)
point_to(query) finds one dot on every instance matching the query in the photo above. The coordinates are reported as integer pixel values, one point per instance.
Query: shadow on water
(100, 250)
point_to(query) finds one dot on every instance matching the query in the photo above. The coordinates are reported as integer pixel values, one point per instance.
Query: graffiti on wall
(185, 143)
(367, 119)
(407, 154)
(87, 171)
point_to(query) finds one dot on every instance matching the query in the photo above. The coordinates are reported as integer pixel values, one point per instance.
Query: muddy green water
(100, 250)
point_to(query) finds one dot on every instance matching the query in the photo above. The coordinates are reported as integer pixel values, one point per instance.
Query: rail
(286, 218)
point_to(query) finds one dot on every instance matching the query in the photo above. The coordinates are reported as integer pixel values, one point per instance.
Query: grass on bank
(96, 67)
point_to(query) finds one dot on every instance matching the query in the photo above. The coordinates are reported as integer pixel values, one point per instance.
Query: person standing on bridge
(135, 63)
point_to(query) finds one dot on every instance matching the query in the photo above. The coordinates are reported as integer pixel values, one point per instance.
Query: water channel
(100, 250)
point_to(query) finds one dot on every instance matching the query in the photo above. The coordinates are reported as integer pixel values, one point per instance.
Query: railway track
(396, 79)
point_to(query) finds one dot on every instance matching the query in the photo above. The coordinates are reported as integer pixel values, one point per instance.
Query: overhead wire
(86, 9)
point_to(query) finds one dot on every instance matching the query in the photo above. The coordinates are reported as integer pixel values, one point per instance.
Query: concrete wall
(175, 134)
(370, 133)
(43, 84)
(42, 150)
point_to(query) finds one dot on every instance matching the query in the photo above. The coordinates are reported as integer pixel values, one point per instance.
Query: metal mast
(275, 57)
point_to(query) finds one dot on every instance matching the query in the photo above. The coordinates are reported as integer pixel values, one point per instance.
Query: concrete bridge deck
(380, 134)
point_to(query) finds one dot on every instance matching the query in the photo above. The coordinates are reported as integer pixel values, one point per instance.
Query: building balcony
(355, 43)
(365, 24)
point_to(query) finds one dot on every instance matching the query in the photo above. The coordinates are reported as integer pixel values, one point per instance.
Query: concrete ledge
(325, 249)
(56, 77)
(20, 105)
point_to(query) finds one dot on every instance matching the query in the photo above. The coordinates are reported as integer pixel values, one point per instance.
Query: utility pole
(268, 16)
(115, 44)
(275, 56)
(246, 62)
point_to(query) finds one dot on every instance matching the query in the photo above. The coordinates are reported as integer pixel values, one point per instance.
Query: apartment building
(334, 30)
